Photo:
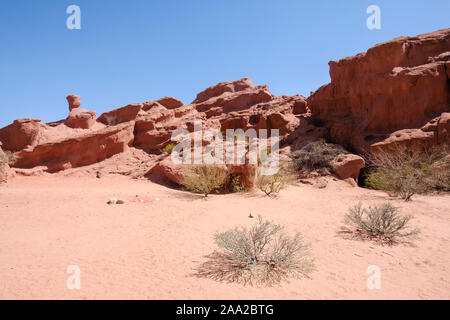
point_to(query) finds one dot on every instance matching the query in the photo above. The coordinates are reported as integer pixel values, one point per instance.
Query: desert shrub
(205, 179)
(383, 222)
(235, 183)
(273, 184)
(404, 172)
(316, 155)
(169, 148)
(6, 157)
(261, 255)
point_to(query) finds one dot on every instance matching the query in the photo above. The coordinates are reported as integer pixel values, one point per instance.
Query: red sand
(149, 249)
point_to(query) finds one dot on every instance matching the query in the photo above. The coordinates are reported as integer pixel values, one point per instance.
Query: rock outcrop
(21, 134)
(74, 101)
(400, 84)
(120, 115)
(81, 118)
(79, 150)
(347, 166)
(396, 92)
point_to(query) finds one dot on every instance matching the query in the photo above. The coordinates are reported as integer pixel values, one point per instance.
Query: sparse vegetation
(382, 222)
(169, 148)
(6, 157)
(316, 155)
(404, 172)
(235, 183)
(205, 179)
(261, 255)
(273, 184)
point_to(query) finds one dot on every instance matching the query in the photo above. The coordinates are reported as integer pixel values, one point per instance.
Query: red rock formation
(223, 87)
(74, 101)
(81, 118)
(79, 150)
(400, 84)
(80, 140)
(396, 92)
(120, 115)
(347, 166)
(21, 134)
(170, 103)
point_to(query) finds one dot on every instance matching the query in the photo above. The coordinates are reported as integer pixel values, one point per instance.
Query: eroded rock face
(223, 87)
(120, 115)
(166, 168)
(21, 134)
(170, 103)
(80, 150)
(396, 85)
(81, 118)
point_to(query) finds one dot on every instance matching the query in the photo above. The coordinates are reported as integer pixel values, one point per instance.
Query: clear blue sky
(136, 50)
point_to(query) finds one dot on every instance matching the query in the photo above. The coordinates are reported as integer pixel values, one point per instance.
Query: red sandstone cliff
(389, 93)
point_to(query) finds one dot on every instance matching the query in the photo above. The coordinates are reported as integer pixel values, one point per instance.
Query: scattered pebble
(115, 201)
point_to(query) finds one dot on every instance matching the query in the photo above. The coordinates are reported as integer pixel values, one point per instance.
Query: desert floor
(150, 247)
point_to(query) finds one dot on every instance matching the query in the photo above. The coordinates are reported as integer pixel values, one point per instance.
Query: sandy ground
(149, 248)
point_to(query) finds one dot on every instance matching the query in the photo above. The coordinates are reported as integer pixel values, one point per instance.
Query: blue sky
(136, 50)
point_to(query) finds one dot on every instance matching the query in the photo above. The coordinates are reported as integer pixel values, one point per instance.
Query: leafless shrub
(235, 183)
(273, 184)
(316, 155)
(382, 222)
(404, 172)
(261, 255)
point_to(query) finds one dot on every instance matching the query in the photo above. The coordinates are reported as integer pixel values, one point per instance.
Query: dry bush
(404, 172)
(273, 184)
(261, 255)
(6, 157)
(382, 222)
(168, 148)
(205, 179)
(316, 155)
(235, 183)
